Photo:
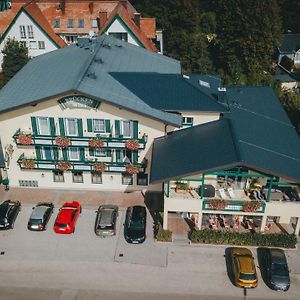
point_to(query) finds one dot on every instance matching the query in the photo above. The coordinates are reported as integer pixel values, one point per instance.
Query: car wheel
(74, 230)
(80, 210)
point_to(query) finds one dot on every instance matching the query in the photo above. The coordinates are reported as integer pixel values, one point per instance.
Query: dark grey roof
(67, 70)
(2, 163)
(257, 134)
(169, 92)
(290, 43)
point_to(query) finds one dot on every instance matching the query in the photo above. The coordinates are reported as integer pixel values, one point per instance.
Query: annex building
(124, 118)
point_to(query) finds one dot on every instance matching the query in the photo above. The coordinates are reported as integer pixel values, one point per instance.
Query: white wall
(38, 35)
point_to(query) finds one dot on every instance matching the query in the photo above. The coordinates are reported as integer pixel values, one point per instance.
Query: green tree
(15, 56)
(290, 11)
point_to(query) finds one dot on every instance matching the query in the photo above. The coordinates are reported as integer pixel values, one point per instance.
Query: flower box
(64, 165)
(99, 167)
(28, 163)
(217, 204)
(251, 206)
(62, 142)
(132, 169)
(96, 143)
(132, 144)
(25, 139)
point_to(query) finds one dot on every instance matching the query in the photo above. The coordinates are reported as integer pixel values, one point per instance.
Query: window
(30, 31)
(94, 23)
(80, 23)
(97, 177)
(70, 23)
(187, 121)
(127, 179)
(73, 153)
(99, 152)
(99, 125)
(43, 125)
(32, 45)
(41, 44)
(47, 153)
(126, 129)
(124, 156)
(22, 32)
(71, 127)
(23, 43)
(119, 35)
(71, 39)
(58, 176)
(56, 23)
(142, 179)
(77, 177)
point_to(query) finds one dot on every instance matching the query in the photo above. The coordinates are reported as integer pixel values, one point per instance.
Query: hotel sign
(5, 5)
(78, 101)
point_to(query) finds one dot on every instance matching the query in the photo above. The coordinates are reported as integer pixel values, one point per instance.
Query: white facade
(27, 31)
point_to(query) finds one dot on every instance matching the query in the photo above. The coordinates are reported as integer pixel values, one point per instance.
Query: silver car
(40, 216)
(106, 220)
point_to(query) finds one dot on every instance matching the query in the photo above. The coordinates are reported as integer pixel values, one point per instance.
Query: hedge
(163, 235)
(208, 236)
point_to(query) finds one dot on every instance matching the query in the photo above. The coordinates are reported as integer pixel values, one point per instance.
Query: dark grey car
(9, 211)
(106, 220)
(40, 216)
(277, 272)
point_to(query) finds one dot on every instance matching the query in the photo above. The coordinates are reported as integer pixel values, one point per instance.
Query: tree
(15, 56)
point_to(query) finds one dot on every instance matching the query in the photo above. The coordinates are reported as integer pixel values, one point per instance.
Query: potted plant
(25, 139)
(181, 186)
(64, 165)
(96, 143)
(132, 144)
(5, 182)
(62, 141)
(251, 206)
(28, 163)
(99, 166)
(132, 169)
(217, 204)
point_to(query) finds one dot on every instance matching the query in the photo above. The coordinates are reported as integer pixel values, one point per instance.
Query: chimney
(137, 19)
(91, 7)
(103, 18)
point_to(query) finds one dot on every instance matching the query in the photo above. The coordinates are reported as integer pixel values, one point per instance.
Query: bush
(163, 235)
(208, 236)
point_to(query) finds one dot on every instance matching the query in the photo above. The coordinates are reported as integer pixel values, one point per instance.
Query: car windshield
(244, 276)
(35, 221)
(3, 220)
(62, 225)
(108, 227)
(136, 224)
(279, 269)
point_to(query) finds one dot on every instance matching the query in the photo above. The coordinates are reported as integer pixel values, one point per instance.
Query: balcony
(26, 163)
(27, 139)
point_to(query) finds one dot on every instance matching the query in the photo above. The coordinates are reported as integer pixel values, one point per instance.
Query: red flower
(28, 163)
(62, 142)
(131, 169)
(25, 139)
(100, 167)
(132, 144)
(96, 143)
(63, 165)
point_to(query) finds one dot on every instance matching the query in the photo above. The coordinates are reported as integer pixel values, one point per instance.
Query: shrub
(163, 235)
(208, 236)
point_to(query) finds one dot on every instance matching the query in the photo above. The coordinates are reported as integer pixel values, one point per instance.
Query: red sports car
(67, 217)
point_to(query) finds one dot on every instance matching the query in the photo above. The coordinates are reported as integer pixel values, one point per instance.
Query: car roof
(277, 256)
(4, 207)
(138, 211)
(106, 217)
(245, 259)
(38, 212)
(65, 215)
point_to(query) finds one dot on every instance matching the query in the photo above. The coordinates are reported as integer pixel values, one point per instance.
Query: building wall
(38, 35)
(21, 118)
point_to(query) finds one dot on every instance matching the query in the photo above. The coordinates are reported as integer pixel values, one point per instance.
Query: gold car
(243, 268)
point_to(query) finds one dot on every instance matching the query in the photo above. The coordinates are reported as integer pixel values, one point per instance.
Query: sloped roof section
(137, 32)
(56, 74)
(148, 26)
(290, 43)
(256, 133)
(194, 150)
(169, 92)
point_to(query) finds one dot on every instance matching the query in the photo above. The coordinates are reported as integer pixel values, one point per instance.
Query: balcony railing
(26, 163)
(251, 206)
(76, 141)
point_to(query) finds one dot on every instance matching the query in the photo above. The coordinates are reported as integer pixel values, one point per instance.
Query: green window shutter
(55, 153)
(81, 153)
(61, 126)
(118, 155)
(52, 126)
(91, 152)
(38, 152)
(107, 125)
(65, 154)
(90, 125)
(135, 129)
(117, 128)
(80, 129)
(108, 153)
(34, 125)
(135, 156)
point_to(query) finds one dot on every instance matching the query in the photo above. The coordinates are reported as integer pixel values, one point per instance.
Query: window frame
(77, 177)
(94, 23)
(77, 152)
(186, 122)
(126, 175)
(146, 177)
(97, 174)
(80, 23)
(22, 29)
(66, 124)
(56, 23)
(94, 125)
(130, 128)
(119, 35)
(70, 23)
(33, 45)
(61, 175)
(30, 31)
(41, 45)
(39, 126)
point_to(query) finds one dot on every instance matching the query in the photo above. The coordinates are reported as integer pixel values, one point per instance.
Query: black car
(277, 272)
(9, 211)
(135, 224)
(40, 216)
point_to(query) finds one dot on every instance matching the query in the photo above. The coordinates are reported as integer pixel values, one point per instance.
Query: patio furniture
(223, 194)
(209, 190)
(237, 222)
(231, 193)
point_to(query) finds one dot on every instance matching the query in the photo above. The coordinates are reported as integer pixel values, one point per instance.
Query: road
(45, 265)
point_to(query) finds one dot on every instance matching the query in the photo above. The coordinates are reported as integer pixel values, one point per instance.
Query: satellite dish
(91, 34)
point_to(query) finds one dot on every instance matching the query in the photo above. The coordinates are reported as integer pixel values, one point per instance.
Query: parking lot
(46, 265)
